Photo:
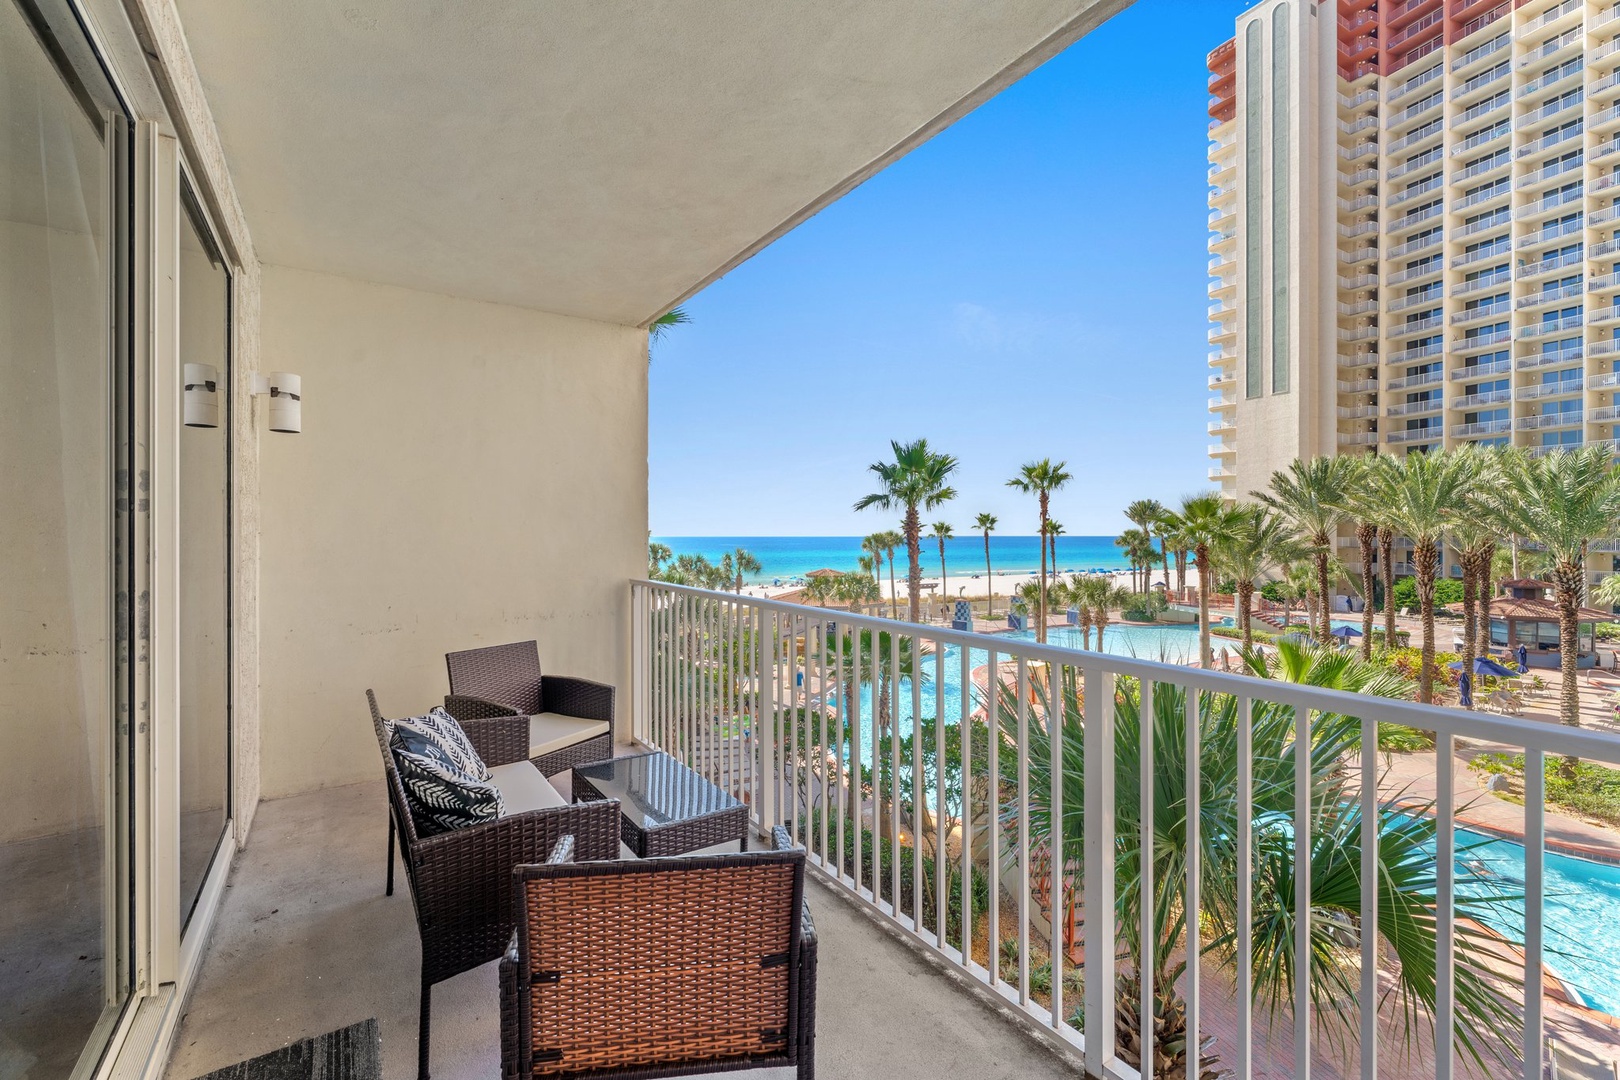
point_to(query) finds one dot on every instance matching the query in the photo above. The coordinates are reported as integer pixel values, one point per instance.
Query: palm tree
(1259, 542)
(1106, 597)
(916, 480)
(856, 590)
(986, 524)
(1080, 599)
(1054, 530)
(740, 562)
(673, 317)
(1311, 496)
(1405, 864)
(1148, 515)
(1364, 511)
(891, 542)
(872, 545)
(1386, 567)
(1041, 478)
(657, 555)
(1422, 495)
(1175, 543)
(1563, 502)
(1207, 522)
(943, 532)
(1138, 548)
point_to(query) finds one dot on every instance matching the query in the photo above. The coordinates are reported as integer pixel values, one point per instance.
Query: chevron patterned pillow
(439, 731)
(440, 795)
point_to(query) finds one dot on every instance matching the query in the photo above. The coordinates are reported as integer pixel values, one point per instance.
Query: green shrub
(1446, 591)
(1400, 739)
(1608, 631)
(1593, 793)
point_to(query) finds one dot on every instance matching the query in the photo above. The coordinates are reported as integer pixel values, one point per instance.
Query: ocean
(786, 557)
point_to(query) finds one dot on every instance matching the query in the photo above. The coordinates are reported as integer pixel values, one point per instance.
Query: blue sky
(1030, 283)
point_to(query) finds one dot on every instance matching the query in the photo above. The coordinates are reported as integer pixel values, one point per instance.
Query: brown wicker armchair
(666, 967)
(461, 881)
(571, 719)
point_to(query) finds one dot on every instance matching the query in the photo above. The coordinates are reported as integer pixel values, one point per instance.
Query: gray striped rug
(350, 1053)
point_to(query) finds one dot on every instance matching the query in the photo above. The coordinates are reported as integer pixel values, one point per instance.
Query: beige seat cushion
(550, 732)
(523, 788)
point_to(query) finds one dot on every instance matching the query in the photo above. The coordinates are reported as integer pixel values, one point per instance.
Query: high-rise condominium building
(1413, 214)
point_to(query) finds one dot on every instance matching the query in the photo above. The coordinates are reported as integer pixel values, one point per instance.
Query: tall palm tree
(1422, 495)
(986, 524)
(1054, 529)
(1148, 515)
(1138, 548)
(1041, 478)
(1363, 510)
(657, 555)
(872, 545)
(1310, 495)
(916, 480)
(1386, 567)
(1176, 545)
(1080, 597)
(891, 541)
(1259, 542)
(1563, 502)
(1106, 597)
(1404, 858)
(1207, 522)
(740, 562)
(942, 532)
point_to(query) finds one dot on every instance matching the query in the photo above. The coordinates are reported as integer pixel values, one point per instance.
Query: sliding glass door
(67, 488)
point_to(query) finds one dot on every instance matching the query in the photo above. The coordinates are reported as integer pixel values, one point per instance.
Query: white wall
(468, 474)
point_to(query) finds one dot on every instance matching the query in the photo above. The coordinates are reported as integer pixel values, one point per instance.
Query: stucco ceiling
(600, 158)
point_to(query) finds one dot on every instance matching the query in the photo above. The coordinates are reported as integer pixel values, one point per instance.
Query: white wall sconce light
(285, 391)
(202, 396)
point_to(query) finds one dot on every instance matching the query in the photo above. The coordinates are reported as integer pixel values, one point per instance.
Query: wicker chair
(666, 967)
(461, 881)
(569, 714)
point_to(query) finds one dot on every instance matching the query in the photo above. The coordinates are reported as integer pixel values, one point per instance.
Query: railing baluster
(1445, 916)
(1302, 893)
(1193, 897)
(964, 731)
(1535, 863)
(840, 772)
(1060, 918)
(1245, 883)
(1369, 900)
(1148, 930)
(739, 695)
(894, 771)
(919, 786)
(992, 818)
(1098, 872)
(856, 798)
(1023, 830)
(821, 743)
(939, 796)
(874, 773)
(707, 632)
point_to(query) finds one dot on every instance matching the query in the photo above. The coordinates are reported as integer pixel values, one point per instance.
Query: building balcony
(1432, 433)
(1488, 283)
(1358, 360)
(1544, 421)
(1222, 357)
(1606, 88)
(1422, 243)
(1416, 326)
(1359, 333)
(1222, 380)
(1607, 247)
(1542, 299)
(1557, 358)
(1567, 106)
(1477, 23)
(1481, 200)
(1358, 386)
(1550, 173)
(1561, 388)
(1555, 326)
(1470, 62)
(1604, 215)
(1358, 255)
(1221, 473)
(1532, 271)
(1474, 372)
(1558, 17)
(1412, 165)
(1487, 427)
(1416, 219)
(1606, 414)
(1360, 307)
(1358, 438)
(1481, 141)
(1422, 299)
(1415, 408)
(1433, 130)
(1358, 412)
(1476, 401)
(1222, 402)
(1358, 204)
(1550, 142)
(1223, 426)
(1420, 110)
(1412, 382)
(1481, 111)
(1359, 229)
(1222, 332)
(1550, 234)
(1430, 269)
(1552, 204)
(1607, 347)
(1469, 316)
(1482, 84)
(1608, 380)
(1490, 223)
(1426, 78)
(1603, 316)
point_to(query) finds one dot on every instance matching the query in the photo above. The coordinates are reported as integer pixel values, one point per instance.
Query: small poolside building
(1524, 615)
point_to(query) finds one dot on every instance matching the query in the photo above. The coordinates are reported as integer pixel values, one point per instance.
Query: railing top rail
(1547, 736)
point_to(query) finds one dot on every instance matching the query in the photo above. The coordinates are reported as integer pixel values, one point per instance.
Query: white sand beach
(968, 585)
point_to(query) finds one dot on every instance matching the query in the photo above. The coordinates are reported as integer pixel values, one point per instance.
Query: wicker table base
(665, 808)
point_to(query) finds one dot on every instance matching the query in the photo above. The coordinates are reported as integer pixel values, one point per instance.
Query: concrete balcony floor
(306, 942)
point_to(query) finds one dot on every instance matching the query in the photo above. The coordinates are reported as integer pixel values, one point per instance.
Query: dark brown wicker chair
(505, 679)
(461, 881)
(665, 967)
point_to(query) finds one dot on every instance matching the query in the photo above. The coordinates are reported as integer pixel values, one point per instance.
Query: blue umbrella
(1484, 665)
(1524, 659)
(1346, 632)
(1465, 691)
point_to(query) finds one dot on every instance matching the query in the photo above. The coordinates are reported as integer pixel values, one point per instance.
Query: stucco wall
(468, 474)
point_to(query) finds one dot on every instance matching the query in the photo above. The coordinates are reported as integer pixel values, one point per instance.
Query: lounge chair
(461, 881)
(1565, 1062)
(662, 967)
(570, 720)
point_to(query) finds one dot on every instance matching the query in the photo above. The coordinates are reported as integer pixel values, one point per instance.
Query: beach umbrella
(1524, 659)
(1483, 665)
(1346, 632)
(1465, 691)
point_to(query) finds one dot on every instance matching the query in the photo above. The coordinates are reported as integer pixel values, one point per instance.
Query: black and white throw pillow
(440, 795)
(441, 731)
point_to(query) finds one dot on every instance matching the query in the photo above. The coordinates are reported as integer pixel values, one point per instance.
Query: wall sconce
(202, 395)
(286, 399)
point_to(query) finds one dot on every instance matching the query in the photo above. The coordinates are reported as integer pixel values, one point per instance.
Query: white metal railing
(1551, 297)
(1606, 381)
(914, 765)
(1500, 100)
(1479, 371)
(1551, 202)
(1474, 401)
(1470, 342)
(1408, 382)
(1428, 157)
(1573, 131)
(1557, 168)
(1498, 160)
(1484, 427)
(1568, 418)
(1554, 107)
(1497, 220)
(1423, 187)
(1480, 81)
(1560, 388)
(1482, 138)
(1430, 296)
(1481, 254)
(1421, 243)
(1484, 311)
(1552, 15)
(1480, 52)
(1557, 262)
(1429, 433)
(1429, 130)
(1412, 408)
(1358, 360)
(1568, 69)
(1552, 326)
(1357, 386)
(1551, 231)
(1421, 79)
(1480, 284)
(1496, 191)
(1358, 438)
(1416, 109)
(1549, 359)
(1412, 273)
(1605, 348)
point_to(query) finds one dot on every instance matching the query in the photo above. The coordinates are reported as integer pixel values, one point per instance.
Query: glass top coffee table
(664, 807)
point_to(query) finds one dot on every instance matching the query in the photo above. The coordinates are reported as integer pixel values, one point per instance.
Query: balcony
(1551, 204)
(1358, 281)
(1486, 427)
(1550, 266)
(1540, 299)
(1556, 358)
(1432, 130)
(1360, 255)
(1470, 60)
(1547, 142)
(1541, 421)
(1411, 165)
(1221, 473)
(1415, 111)
(1422, 243)
(1553, 16)
(1487, 340)
(1481, 83)
(1484, 311)
(1475, 142)
(1415, 408)
(1607, 414)
(1483, 198)
(1551, 49)
(1222, 380)
(1563, 104)
(1358, 412)
(1606, 381)
(1476, 401)
(1405, 303)
(1607, 347)
(1222, 427)
(1490, 281)
(1416, 326)
(1432, 433)
(1360, 307)
(1553, 171)
(1417, 82)
(1357, 386)
(1487, 224)
(1555, 326)
(1472, 372)
(1359, 333)
(1220, 403)
(1410, 382)
(1499, 160)
(1560, 388)
(1482, 109)
(1431, 268)
(1358, 178)
(1482, 255)
(1220, 449)
(1550, 233)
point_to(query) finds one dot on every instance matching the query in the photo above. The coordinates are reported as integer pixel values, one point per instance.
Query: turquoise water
(783, 558)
